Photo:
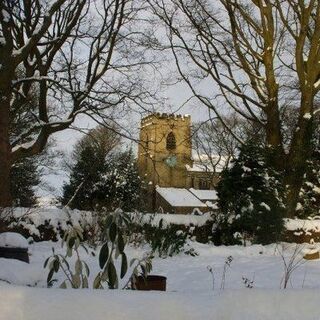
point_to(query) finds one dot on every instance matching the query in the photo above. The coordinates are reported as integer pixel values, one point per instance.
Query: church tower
(165, 149)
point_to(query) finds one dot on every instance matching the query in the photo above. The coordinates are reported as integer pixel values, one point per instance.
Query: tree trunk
(274, 136)
(5, 152)
(300, 152)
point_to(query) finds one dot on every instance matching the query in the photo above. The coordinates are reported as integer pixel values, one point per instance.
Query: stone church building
(169, 166)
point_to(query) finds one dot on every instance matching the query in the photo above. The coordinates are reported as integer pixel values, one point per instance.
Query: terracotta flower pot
(151, 282)
(312, 256)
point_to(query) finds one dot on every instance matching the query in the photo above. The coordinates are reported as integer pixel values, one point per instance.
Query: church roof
(205, 163)
(180, 197)
(205, 195)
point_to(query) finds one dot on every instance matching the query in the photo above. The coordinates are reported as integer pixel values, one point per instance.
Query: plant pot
(312, 256)
(151, 282)
(14, 253)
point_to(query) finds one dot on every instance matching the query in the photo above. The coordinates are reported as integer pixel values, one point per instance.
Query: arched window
(204, 184)
(171, 141)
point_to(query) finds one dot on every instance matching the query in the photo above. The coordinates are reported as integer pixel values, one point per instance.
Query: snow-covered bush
(165, 239)
(250, 199)
(309, 196)
(46, 223)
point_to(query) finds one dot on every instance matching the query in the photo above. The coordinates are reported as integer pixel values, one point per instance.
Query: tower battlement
(151, 118)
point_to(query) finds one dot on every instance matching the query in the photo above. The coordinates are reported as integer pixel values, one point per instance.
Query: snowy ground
(189, 288)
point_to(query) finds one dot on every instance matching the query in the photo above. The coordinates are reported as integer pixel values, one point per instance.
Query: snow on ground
(242, 304)
(312, 225)
(189, 288)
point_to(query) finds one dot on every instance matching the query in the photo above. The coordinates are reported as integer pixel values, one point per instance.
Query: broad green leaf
(104, 275)
(132, 261)
(46, 262)
(71, 242)
(120, 242)
(85, 283)
(69, 252)
(113, 232)
(76, 280)
(143, 269)
(97, 282)
(112, 276)
(56, 265)
(117, 252)
(50, 275)
(103, 255)
(108, 221)
(124, 265)
(87, 269)
(78, 266)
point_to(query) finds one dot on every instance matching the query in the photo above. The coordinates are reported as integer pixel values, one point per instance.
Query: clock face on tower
(171, 161)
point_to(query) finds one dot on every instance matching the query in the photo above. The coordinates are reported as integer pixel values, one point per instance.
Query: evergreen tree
(85, 173)
(102, 175)
(309, 196)
(250, 198)
(25, 176)
(120, 185)
(25, 173)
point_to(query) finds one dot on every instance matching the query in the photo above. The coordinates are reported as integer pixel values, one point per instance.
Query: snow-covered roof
(170, 219)
(205, 194)
(205, 163)
(180, 197)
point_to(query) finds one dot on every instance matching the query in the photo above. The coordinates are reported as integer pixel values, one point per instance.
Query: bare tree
(80, 56)
(257, 56)
(213, 141)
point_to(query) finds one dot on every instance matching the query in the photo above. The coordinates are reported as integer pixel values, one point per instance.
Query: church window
(204, 184)
(171, 141)
(192, 182)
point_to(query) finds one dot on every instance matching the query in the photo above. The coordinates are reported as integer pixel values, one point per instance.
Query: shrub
(44, 224)
(164, 239)
(111, 250)
(250, 200)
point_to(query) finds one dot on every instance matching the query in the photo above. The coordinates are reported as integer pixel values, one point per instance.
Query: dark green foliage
(113, 247)
(120, 184)
(25, 176)
(108, 181)
(309, 197)
(89, 166)
(250, 199)
(25, 173)
(114, 224)
(165, 240)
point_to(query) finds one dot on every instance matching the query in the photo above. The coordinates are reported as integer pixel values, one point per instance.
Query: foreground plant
(57, 262)
(291, 262)
(111, 250)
